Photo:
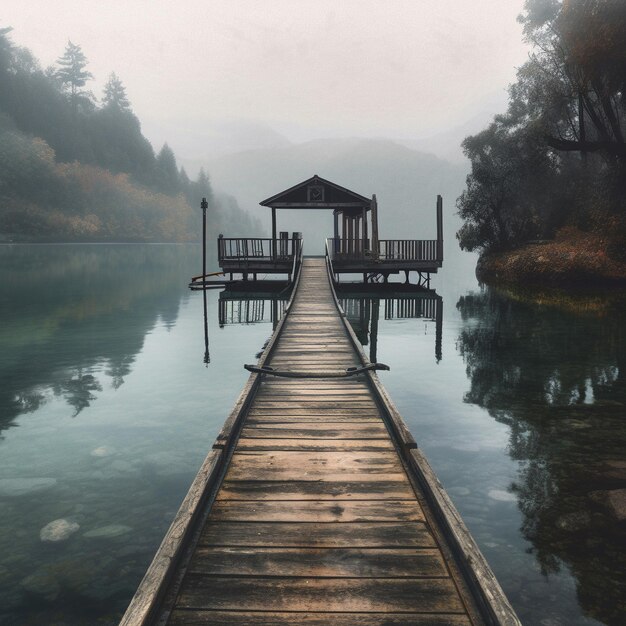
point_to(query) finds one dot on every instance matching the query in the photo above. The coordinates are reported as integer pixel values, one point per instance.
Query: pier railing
(388, 249)
(256, 248)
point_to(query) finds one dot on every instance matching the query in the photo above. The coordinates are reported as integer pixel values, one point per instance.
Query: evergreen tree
(167, 171)
(6, 50)
(203, 187)
(115, 95)
(73, 75)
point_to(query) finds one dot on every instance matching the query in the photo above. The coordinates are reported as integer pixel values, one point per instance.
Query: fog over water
(217, 77)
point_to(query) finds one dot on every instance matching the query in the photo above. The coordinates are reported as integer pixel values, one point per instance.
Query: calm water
(107, 409)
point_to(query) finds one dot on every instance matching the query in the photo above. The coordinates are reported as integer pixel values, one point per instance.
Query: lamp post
(204, 205)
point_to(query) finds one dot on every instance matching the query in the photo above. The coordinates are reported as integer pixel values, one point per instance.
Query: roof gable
(316, 193)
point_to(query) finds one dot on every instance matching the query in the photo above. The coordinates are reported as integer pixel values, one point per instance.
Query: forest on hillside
(77, 168)
(553, 167)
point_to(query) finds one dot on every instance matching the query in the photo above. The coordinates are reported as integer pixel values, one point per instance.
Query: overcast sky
(308, 69)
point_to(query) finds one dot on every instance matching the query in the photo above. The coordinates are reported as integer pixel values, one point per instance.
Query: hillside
(75, 168)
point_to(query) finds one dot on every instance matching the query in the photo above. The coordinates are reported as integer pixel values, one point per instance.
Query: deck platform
(317, 515)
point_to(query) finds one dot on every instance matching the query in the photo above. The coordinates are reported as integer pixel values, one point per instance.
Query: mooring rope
(351, 371)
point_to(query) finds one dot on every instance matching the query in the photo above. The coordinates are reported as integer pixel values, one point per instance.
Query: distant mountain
(199, 140)
(406, 183)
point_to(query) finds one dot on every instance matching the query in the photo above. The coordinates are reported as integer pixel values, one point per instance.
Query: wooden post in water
(439, 228)
(374, 206)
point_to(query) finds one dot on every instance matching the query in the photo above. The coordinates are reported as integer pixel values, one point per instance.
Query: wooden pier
(315, 505)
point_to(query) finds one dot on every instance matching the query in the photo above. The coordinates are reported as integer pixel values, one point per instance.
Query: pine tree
(74, 76)
(168, 181)
(115, 95)
(203, 186)
(6, 50)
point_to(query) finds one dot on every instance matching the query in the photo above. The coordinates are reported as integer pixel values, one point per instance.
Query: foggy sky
(403, 69)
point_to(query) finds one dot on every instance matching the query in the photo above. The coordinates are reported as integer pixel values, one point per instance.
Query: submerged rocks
(501, 495)
(58, 530)
(42, 583)
(102, 451)
(108, 532)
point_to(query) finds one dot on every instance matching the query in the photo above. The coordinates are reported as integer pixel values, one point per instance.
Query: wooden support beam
(374, 227)
(439, 228)
(274, 233)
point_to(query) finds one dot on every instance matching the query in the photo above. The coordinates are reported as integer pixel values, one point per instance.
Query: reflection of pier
(250, 308)
(362, 308)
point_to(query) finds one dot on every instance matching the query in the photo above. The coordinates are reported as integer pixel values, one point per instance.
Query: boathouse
(354, 248)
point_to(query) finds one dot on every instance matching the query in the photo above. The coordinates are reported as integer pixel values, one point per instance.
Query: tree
(73, 75)
(6, 50)
(115, 95)
(579, 50)
(502, 204)
(167, 171)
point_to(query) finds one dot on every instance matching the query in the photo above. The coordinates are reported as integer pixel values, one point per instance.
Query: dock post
(374, 205)
(274, 234)
(439, 229)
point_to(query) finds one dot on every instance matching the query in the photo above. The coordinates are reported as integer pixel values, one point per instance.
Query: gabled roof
(317, 193)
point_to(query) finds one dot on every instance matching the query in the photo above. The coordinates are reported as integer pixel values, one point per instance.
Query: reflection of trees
(558, 381)
(78, 391)
(69, 312)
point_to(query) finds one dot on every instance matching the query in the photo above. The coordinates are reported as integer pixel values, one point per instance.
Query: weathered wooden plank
(317, 511)
(314, 490)
(323, 430)
(342, 410)
(428, 595)
(309, 418)
(327, 562)
(314, 535)
(288, 465)
(312, 403)
(347, 398)
(328, 445)
(347, 392)
(183, 617)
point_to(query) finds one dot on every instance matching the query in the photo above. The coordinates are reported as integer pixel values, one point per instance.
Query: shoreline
(579, 261)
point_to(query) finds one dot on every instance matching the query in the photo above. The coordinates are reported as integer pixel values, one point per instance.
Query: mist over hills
(406, 183)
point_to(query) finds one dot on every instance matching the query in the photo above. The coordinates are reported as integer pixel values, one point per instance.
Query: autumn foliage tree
(558, 154)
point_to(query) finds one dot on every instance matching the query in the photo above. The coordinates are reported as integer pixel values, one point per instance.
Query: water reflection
(555, 375)
(250, 307)
(363, 303)
(54, 301)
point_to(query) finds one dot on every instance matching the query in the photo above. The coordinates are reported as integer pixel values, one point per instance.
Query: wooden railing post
(439, 229)
(374, 207)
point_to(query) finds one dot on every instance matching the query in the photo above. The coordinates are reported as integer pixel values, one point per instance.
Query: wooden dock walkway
(316, 517)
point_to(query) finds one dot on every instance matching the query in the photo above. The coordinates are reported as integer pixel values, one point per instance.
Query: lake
(107, 409)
